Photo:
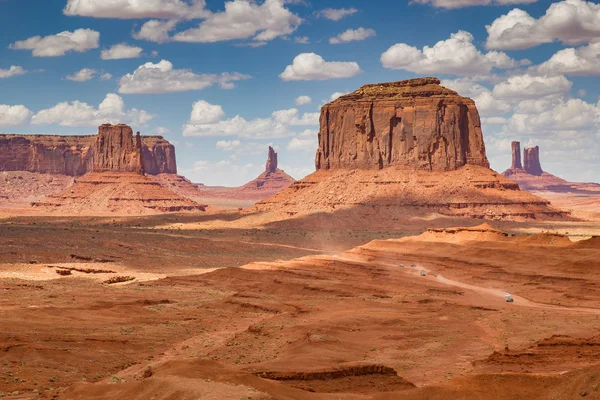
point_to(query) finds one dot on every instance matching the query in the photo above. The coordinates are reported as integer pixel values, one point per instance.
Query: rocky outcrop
(116, 193)
(270, 182)
(416, 123)
(158, 156)
(114, 148)
(516, 156)
(395, 151)
(271, 161)
(530, 176)
(531, 161)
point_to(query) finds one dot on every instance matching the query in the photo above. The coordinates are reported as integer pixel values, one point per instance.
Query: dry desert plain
(174, 307)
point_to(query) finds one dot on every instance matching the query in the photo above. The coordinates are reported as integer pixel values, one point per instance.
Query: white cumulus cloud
(583, 60)
(302, 100)
(156, 31)
(456, 55)
(163, 78)
(82, 75)
(312, 67)
(228, 145)
(571, 21)
(128, 9)
(206, 120)
(14, 115)
(450, 4)
(111, 110)
(121, 50)
(242, 20)
(336, 14)
(531, 87)
(303, 142)
(487, 105)
(205, 113)
(14, 70)
(352, 35)
(80, 40)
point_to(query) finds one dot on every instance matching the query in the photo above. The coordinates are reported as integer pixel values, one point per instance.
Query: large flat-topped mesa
(115, 148)
(415, 123)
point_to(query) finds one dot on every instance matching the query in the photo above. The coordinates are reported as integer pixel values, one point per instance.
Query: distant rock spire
(271, 161)
(516, 156)
(531, 161)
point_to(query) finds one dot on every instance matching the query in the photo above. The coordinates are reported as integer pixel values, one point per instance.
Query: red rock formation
(115, 149)
(531, 161)
(516, 155)
(270, 182)
(530, 176)
(73, 155)
(117, 193)
(271, 161)
(415, 123)
(400, 150)
(158, 156)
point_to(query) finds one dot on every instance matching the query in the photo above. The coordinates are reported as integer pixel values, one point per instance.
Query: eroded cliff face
(115, 148)
(416, 123)
(531, 161)
(158, 156)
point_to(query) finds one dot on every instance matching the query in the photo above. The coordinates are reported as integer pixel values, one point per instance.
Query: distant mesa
(530, 175)
(401, 150)
(111, 171)
(114, 148)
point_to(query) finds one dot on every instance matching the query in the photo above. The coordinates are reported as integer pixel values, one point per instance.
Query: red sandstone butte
(78, 155)
(404, 149)
(516, 156)
(531, 161)
(415, 123)
(530, 175)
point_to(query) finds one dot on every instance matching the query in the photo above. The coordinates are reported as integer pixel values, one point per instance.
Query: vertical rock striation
(415, 123)
(115, 149)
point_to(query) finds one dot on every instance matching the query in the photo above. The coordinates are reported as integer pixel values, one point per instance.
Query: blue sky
(209, 76)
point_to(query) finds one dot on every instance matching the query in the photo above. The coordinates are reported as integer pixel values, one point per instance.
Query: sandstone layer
(114, 148)
(397, 193)
(415, 123)
(119, 193)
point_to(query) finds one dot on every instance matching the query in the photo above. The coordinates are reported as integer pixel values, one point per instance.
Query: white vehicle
(401, 265)
(423, 273)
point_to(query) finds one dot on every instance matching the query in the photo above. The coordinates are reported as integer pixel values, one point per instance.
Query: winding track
(519, 300)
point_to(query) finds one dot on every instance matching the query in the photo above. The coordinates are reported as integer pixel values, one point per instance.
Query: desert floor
(188, 306)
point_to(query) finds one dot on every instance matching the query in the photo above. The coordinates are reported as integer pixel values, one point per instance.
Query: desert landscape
(372, 278)
(145, 256)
